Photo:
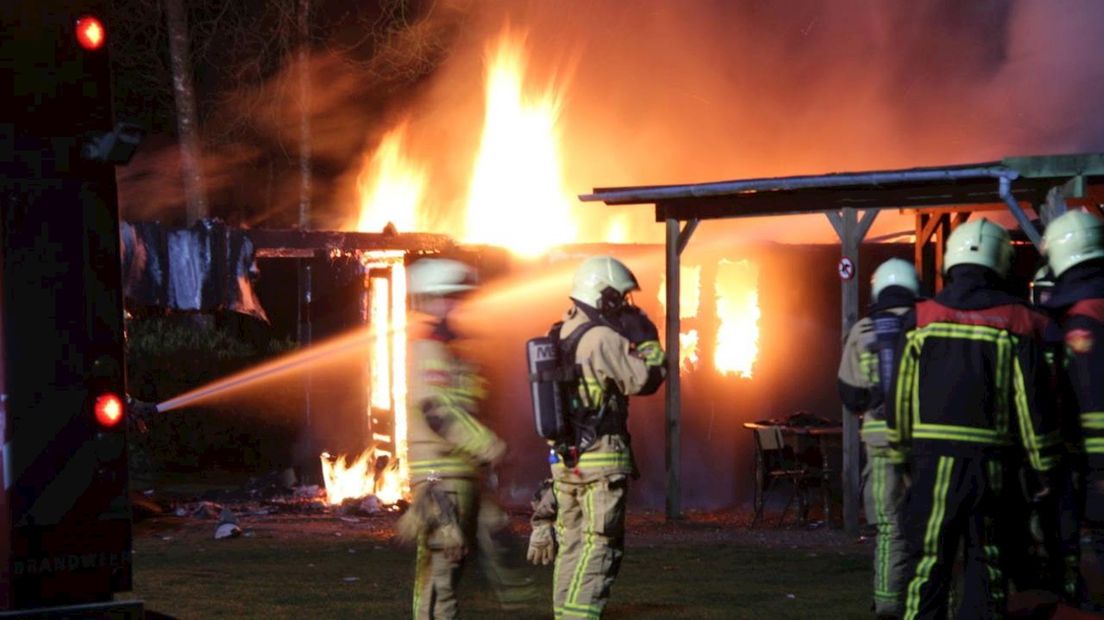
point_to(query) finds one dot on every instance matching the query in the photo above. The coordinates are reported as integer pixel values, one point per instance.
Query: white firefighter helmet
(602, 282)
(440, 276)
(894, 272)
(1073, 238)
(979, 242)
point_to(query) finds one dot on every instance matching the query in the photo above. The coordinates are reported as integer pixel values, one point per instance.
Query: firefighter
(865, 374)
(970, 401)
(448, 445)
(1074, 248)
(619, 355)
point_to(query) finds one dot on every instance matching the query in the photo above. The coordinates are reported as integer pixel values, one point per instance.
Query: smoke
(658, 92)
(686, 92)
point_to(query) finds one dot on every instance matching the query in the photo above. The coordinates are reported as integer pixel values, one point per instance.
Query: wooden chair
(776, 460)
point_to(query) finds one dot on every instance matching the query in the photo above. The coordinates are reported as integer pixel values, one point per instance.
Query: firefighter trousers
(590, 527)
(486, 531)
(952, 499)
(436, 574)
(883, 492)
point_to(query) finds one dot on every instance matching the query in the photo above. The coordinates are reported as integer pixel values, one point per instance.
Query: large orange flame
(738, 313)
(391, 187)
(517, 199)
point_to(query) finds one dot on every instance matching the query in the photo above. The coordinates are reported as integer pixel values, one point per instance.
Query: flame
(390, 187)
(689, 291)
(738, 315)
(618, 229)
(516, 198)
(380, 367)
(688, 350)
(358, 479)
(689, 301)
(387, 367)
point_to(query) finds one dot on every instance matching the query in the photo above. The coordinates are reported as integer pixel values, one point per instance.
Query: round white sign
(846, 268)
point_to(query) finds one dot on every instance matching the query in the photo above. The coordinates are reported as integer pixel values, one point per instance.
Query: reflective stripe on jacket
(608, 361)
(857, 380)
(445, 439)
(1083, 368)
(974, 379)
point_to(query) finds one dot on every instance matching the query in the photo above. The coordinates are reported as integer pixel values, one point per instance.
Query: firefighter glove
(542, 544)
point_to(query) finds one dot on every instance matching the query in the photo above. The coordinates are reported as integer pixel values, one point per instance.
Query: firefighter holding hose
(448, 445)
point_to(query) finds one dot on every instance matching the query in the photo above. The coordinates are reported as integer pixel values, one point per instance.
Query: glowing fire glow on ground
(738, 315)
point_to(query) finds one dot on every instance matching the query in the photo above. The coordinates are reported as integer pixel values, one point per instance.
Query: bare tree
(186, 118)
(304, 115)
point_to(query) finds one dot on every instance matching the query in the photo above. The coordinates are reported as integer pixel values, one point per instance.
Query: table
(796, 436)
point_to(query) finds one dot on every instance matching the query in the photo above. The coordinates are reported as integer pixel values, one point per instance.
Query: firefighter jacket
(612, 368)
(1078, 305)
(858, 383)
(972, 378)
(444, 437)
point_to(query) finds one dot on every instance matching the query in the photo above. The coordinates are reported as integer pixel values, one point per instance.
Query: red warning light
(90, 33)
(109, 410)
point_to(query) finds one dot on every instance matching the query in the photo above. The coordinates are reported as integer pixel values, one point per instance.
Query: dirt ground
(291, 521)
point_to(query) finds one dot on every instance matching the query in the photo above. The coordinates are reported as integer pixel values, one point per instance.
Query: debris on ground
(228, 525)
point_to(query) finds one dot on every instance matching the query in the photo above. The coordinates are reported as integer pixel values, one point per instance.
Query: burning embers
(372, 474)
(736, 311)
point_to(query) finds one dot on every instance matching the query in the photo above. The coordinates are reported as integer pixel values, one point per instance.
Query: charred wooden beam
(292, 243)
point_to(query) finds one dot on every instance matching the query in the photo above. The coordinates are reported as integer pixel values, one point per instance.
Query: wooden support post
(851, 231)
(673, 395)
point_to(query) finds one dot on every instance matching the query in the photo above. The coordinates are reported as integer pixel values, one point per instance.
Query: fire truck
(65, 514)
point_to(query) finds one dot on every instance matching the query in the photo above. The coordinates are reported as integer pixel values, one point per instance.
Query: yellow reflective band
(1093, 420)
(584, 611)
(446, 465)
(600, 459)
(969, 332)
(961, 433)
(1027, 429)
(652, 352)
(591, 389)
(881, 542)
(868, 362)
(931, 537)
(1094, 445)
(588, 549)
(906, 379)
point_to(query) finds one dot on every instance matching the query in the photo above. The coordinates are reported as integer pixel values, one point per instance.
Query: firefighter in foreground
(1074, 247)
(615, 349)
(970, 402)
(865, 375)
(448, 446)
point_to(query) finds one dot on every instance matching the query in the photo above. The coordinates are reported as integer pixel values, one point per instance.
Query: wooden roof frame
(942, 197)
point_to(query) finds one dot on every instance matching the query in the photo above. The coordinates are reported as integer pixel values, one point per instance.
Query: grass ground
(327, 568)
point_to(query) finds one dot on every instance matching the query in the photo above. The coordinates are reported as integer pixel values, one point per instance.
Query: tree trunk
(304, 116)
(186, 119)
